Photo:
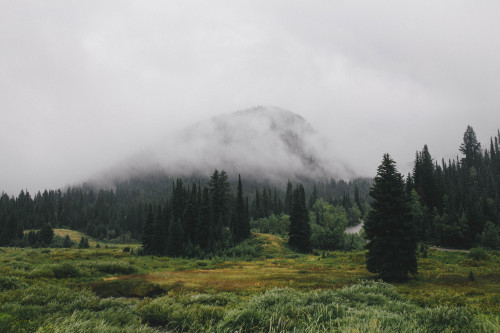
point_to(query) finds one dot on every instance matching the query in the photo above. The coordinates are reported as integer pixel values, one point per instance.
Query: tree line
(457, 203)
(118, 214)
(196, 220)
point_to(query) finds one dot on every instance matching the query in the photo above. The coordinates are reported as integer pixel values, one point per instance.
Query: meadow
(258, 286)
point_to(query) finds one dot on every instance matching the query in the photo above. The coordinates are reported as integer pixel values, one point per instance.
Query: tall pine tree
(300, 229)
(389, 229)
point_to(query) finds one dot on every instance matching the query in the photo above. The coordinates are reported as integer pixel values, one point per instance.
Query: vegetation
(118, 214)
(261, 285)
(198, 267)
(299, 235)
(392, 240)
(459, 199)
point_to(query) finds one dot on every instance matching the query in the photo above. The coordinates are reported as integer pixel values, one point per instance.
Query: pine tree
(84, 243)
(242, 225)
(220, 194)
(158, 240)
(148, 231)
(204, 221)
(67, 242)
(471, 148)
(313, 197)
(191, 215)
(175, 245)
(46, 234)
(392, 241)
(288, 198)
(300, 229)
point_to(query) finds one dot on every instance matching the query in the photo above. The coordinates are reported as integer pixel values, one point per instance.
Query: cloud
(86, 84)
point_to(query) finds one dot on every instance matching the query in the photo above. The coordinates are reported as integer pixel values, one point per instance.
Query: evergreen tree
(148, 232)
(313, 197)
(220, 194)
(158, 237)
(288, 198)
(84, 243)
(46, 234)
(392, 242)
(191, 215)
(204, 221)
(242, 224)
(300, 229)
(67, 242)
(175, 245)
(471, 148)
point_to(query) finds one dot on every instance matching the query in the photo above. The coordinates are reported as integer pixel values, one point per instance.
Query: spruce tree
(392, 237)
(158, 237)
(241, 225)
(148, 231)
(175, 245)
(84, 243)
(300, 229)
(191, 215)
(204, 221)
(288, 198)
(46, 234)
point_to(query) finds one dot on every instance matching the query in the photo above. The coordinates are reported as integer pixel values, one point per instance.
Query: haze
(84, 85)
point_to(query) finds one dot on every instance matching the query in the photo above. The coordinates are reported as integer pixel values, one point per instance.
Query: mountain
(262, 143)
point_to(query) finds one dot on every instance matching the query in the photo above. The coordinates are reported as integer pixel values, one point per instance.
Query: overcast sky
(84, 84)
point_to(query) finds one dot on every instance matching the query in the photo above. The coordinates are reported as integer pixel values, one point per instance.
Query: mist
(262, 143)
(86, 85)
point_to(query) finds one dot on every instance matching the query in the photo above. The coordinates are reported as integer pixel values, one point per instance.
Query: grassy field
(268, 289)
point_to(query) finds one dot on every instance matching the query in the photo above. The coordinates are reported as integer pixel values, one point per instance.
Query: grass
(52, 290)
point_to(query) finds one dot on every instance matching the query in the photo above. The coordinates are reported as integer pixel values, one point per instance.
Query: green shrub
(10, 282)
(65, 270)
(478, 253)
(41, 272)
(114, 267)
(443, 319)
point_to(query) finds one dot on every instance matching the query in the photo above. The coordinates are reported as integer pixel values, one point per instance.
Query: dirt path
(356, 229)
(446, 249)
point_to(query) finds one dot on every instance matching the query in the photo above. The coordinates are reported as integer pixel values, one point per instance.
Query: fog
(86, 85)
(262, 143)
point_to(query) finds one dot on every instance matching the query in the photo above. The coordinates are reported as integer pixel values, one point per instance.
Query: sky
(84, 84)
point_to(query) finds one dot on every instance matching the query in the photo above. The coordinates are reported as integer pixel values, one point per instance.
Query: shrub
(114, 267)
(444, 319)
(10, 282)
(174, 314)
(478, 253)
(65, 270)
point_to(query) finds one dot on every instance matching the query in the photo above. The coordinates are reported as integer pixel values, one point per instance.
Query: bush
(444, 319)
(478, 253)
(114, 267)
(187, 314)
(65, 270)
(10, 282)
